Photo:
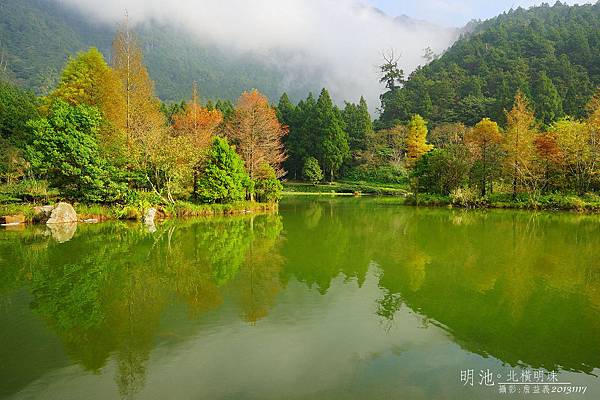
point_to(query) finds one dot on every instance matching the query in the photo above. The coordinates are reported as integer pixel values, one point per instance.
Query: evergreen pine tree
(333, 146)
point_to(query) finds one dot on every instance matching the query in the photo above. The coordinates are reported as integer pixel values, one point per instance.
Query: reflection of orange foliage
(202, 298)
(257, 133)
(259, 281)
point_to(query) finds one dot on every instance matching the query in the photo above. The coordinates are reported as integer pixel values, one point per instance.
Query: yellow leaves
(520, 116)
(485, 134)
(416, 140)
(594, 111)
(141, 108)
(594, 125)
(87, 79)
(520, 132)
(519, 141)
(573, 140)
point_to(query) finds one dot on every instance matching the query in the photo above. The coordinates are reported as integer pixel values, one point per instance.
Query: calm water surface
(330, 299)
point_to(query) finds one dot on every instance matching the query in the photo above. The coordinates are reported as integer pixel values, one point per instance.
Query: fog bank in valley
(341, 42)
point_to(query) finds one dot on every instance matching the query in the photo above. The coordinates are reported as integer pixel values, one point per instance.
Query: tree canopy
(550, 53)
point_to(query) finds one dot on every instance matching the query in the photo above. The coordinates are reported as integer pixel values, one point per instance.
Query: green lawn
(345, 188)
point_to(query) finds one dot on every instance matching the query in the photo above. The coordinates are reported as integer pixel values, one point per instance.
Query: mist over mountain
(273, 46)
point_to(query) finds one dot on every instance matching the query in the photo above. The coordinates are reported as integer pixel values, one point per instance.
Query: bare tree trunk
(195, 192)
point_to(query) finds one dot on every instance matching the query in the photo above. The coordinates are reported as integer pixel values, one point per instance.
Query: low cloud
(343, 39)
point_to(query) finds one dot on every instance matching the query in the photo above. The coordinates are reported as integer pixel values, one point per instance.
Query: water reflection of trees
(522, 287)
(104, 291)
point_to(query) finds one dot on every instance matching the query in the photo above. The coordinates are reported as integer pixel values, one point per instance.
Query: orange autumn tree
(142, 108)
(594, 130)
(196, 126)
(549, 157)
(257, 134)
(150, 147)
(197, 122)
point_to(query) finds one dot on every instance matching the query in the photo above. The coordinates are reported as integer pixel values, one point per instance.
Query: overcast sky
(455, 12)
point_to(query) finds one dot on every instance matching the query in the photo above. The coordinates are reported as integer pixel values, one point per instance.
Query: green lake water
(330, 299)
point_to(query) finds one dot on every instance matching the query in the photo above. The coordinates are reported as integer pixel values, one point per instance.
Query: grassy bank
(556, 201)
(345, 188)
(586, 203)
(129, 212)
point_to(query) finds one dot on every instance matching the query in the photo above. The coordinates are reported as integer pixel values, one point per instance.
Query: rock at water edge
(149, 216)
(12, 219)
(63, 213)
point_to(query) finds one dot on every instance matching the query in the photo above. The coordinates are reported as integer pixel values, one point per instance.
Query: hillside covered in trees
(550, 53)
(38, 36)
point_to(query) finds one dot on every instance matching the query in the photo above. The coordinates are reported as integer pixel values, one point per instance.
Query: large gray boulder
(63, 213)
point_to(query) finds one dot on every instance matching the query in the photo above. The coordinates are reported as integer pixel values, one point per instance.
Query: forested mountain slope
(551, 53)
(37, 36)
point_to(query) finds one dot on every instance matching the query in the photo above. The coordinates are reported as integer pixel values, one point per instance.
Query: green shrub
(442, 170)
(466, 197)
(267, 187)
(65, 150)
(426, 199)
(312, 171)
(224, 179)
(129, 212)
(27, 190)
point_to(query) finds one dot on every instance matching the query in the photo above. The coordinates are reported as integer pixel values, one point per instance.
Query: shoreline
(95, 213)
(548, 203)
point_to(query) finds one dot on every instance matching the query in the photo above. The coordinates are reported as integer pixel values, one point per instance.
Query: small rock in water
(151, 228)
(62, 213)
(42, 213)
(91, 221)
(149, 216)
